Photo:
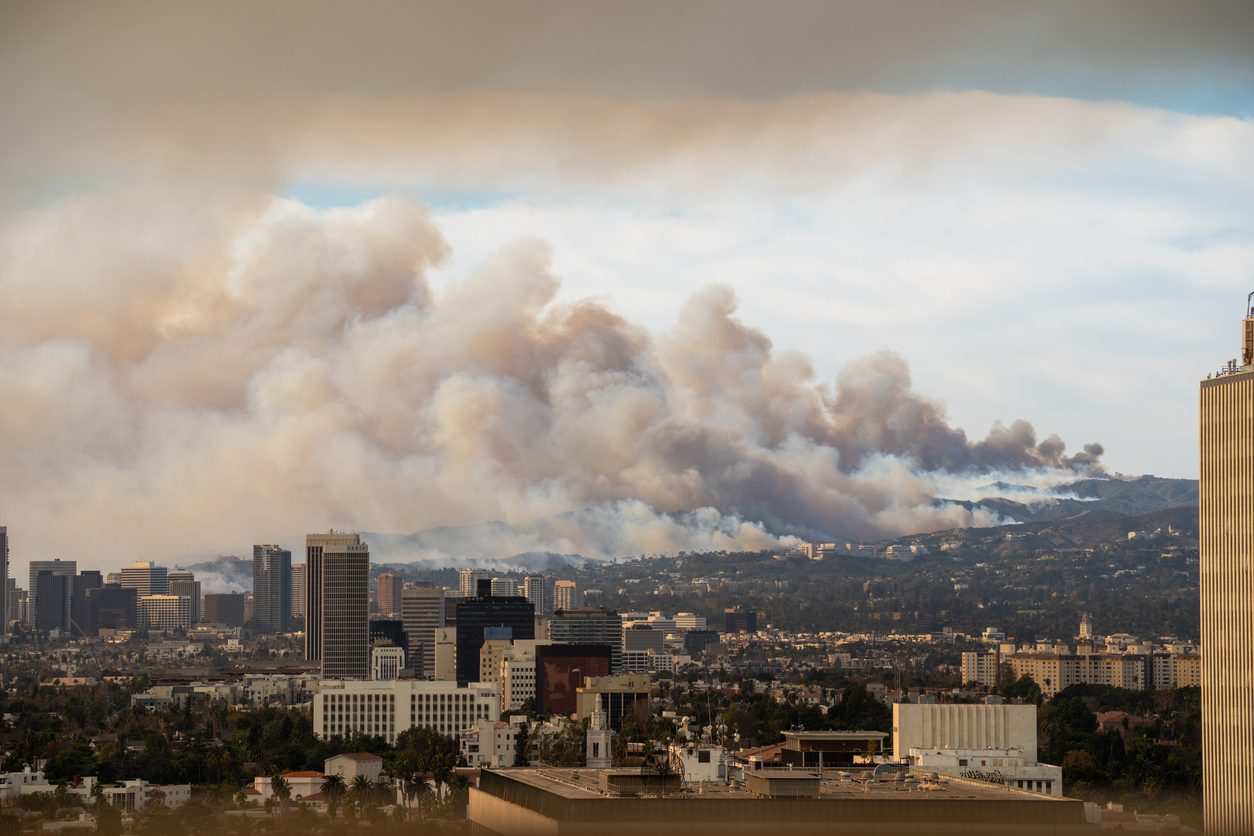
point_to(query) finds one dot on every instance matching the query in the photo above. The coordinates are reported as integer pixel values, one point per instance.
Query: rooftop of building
(835, 735)
(852, 784)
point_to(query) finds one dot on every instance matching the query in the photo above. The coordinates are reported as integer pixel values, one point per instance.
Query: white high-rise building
(387, 708)
(565, 596)
(533, 590)
(165, 612)
(1226, 541)
(337, 604)
(518, 679)
(979, 667)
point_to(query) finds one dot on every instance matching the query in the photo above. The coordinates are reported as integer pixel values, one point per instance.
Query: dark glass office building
(510, 616)
(272, 589)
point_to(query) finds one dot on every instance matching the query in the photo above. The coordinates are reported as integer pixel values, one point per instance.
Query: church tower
(599, 740)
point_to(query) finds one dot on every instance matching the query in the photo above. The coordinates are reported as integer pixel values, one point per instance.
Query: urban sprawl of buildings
(502, 659)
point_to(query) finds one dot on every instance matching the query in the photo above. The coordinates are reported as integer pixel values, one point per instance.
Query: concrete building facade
(566, 596)
(165, 612)
(388, 587)
(1226, 542)
(386, 662)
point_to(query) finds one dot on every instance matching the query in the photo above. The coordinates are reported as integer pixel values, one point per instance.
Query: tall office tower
(736, 620)
(590, 626)
(52, 601)
(298, 591)
(12, 611)
(225, 608)
(389, 597)
(468, 581)
(82, 582)
(565, 596)
(533, 591)
(4, 579)
(184, 583)
(1226, 540)
(17, 603)
(422, 611)
(337, 604)
(111, 608)
(63, 568)
(272, 589)
(486, 617)
(146, 578)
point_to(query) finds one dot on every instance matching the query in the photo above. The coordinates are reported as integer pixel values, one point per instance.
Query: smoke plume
(197, 385)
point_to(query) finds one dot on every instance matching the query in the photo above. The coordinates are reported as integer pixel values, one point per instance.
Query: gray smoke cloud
(183, 383)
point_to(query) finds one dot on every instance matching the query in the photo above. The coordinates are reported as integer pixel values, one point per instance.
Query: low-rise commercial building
(993, 743)
(489, 744)
(387, 708)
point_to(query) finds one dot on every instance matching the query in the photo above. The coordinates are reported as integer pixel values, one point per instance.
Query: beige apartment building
(1226, 540)
(1055, 672)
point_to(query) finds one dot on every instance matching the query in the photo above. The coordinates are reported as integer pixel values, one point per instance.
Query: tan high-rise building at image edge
(1226, 540)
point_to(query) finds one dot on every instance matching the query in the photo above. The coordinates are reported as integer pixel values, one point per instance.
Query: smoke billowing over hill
(258, 373)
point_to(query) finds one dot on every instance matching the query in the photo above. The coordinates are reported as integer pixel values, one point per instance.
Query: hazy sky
(1045, 209)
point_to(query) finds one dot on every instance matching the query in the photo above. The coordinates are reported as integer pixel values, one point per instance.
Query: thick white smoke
(177, 387)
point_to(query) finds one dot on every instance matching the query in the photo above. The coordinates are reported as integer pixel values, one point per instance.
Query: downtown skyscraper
(1226, 541)
(66, 569)
(337, 604)
(4, 579)
(272, 588)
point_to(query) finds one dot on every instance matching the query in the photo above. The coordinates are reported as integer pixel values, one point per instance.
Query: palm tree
(218, 757)
(383, 792)
(333, 787)
(362, 790)
(282, 790)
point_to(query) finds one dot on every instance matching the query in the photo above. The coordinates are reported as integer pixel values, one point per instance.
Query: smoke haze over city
(621, 306)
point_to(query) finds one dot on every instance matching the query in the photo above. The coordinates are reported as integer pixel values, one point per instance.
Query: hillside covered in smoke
(195, 389)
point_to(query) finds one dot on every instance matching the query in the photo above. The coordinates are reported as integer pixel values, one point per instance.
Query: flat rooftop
(852, 785)
(835, 735)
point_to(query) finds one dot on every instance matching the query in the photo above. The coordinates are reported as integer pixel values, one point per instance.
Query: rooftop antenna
(1247, 333)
